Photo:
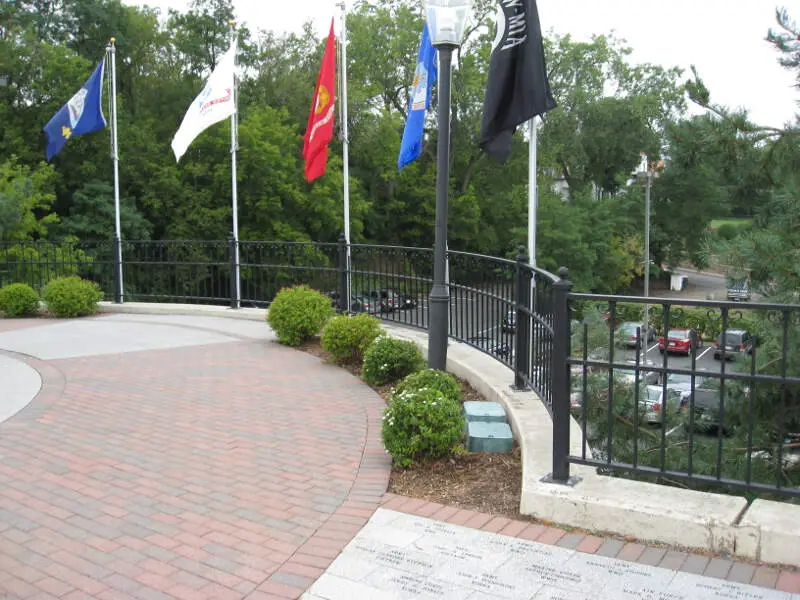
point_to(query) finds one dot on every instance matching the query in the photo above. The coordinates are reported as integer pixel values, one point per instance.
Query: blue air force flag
(82, 114)
(424, 78)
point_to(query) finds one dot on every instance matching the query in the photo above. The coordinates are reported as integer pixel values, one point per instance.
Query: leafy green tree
(26, 198)
(92, 215)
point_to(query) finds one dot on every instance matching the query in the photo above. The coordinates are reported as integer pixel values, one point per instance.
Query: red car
(680, 340)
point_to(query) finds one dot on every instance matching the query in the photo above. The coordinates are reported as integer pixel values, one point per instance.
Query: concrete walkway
(157, 457)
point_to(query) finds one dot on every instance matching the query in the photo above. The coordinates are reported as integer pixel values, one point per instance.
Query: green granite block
(489, 437)
(487, 412)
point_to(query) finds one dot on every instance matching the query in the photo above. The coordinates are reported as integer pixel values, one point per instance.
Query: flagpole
(236, 300)
(533, 205)
(345, 147)
(533, 192)
(118, 293)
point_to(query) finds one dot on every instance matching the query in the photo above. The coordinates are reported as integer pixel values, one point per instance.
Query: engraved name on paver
(651, 594)
(485, 581)
(729, 590)
(520, 548)
(417, 585)
(435, 528)
(393, 557)
(620, 570)
(554, 575)
(460, 553)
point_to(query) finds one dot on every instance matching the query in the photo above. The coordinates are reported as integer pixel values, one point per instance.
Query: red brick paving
(236, 470)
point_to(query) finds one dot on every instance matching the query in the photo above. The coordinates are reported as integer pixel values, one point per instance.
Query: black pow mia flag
(517, 89)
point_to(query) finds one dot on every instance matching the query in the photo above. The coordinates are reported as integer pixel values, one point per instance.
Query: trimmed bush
(431, 379)
(19, 300)
(297, 314)
(69, 297)
(389, 359)
(347, 338)
(421, 424)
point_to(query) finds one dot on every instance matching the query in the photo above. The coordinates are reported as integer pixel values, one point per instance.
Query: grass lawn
(717, 222)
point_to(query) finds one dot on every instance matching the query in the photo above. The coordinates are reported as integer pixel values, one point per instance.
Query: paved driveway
(189, 460)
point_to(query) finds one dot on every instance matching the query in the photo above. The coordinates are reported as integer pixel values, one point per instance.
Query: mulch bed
(488, 483)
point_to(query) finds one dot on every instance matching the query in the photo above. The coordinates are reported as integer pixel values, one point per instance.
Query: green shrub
(18, 300)
(68, 297)
(298, 313)
(347, 338)
(431, 379)
(389, 359)
(421, 424)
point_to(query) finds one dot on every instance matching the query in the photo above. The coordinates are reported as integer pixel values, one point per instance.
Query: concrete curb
(767, 531)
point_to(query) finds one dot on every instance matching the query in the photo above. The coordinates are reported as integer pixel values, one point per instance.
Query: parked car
(651, 403)
(680, 340)
(706, 407)
(405, 301)
(363, 304)
(628, 374)
(735, 341)
(385, 300)
(510, 321)
(682, 383)
(626, 334)
(738, 290)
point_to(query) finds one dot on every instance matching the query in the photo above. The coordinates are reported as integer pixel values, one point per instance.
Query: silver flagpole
(346, 149)
(112, 51)
(533, 193)
(234, 146)
(533, 201)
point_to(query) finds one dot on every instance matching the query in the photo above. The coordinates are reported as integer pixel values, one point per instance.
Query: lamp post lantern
(447, 20)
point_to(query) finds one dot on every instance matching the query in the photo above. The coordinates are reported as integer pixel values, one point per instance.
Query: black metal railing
(734, 423)
(36, 263)
(710, 395)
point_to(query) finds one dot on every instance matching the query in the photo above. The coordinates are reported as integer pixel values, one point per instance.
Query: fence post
(522, 320)
(117, 269)
(232, 257)
(561, 374)
(344, 301)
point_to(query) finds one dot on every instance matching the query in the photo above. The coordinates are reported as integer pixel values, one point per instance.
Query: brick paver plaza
(194, 457)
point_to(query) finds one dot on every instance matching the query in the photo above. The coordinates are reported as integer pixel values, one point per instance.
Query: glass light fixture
(447, 20)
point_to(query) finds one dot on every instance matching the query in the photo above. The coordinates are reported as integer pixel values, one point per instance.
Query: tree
(91, 216)
(26, 197)
(596, 137)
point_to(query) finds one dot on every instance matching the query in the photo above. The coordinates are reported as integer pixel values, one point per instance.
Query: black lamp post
(446, 22)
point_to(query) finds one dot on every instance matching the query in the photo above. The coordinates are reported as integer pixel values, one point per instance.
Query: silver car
(651, 403)
(682, 383)
(628, 374)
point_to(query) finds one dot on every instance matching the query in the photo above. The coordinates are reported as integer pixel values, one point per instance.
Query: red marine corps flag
(320, 122)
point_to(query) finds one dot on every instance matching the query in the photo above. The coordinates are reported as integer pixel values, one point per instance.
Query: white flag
(212, 105)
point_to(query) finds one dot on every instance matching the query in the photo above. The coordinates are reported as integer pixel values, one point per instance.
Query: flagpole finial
(110, 47)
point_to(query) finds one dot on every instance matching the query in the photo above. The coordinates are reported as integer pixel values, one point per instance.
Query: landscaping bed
(488, 483)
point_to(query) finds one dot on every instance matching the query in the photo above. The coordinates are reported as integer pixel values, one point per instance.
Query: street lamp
(446, 23)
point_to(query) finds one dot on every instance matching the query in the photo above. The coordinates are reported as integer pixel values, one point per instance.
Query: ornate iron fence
(710, 395)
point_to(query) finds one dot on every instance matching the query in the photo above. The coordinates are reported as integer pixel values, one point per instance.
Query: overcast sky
(723, 38)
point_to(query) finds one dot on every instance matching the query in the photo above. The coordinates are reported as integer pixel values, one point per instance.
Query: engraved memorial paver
(403, 556)
(692, 586)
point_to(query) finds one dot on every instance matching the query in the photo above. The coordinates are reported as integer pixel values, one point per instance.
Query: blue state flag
(424, 78)
(82, 114)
